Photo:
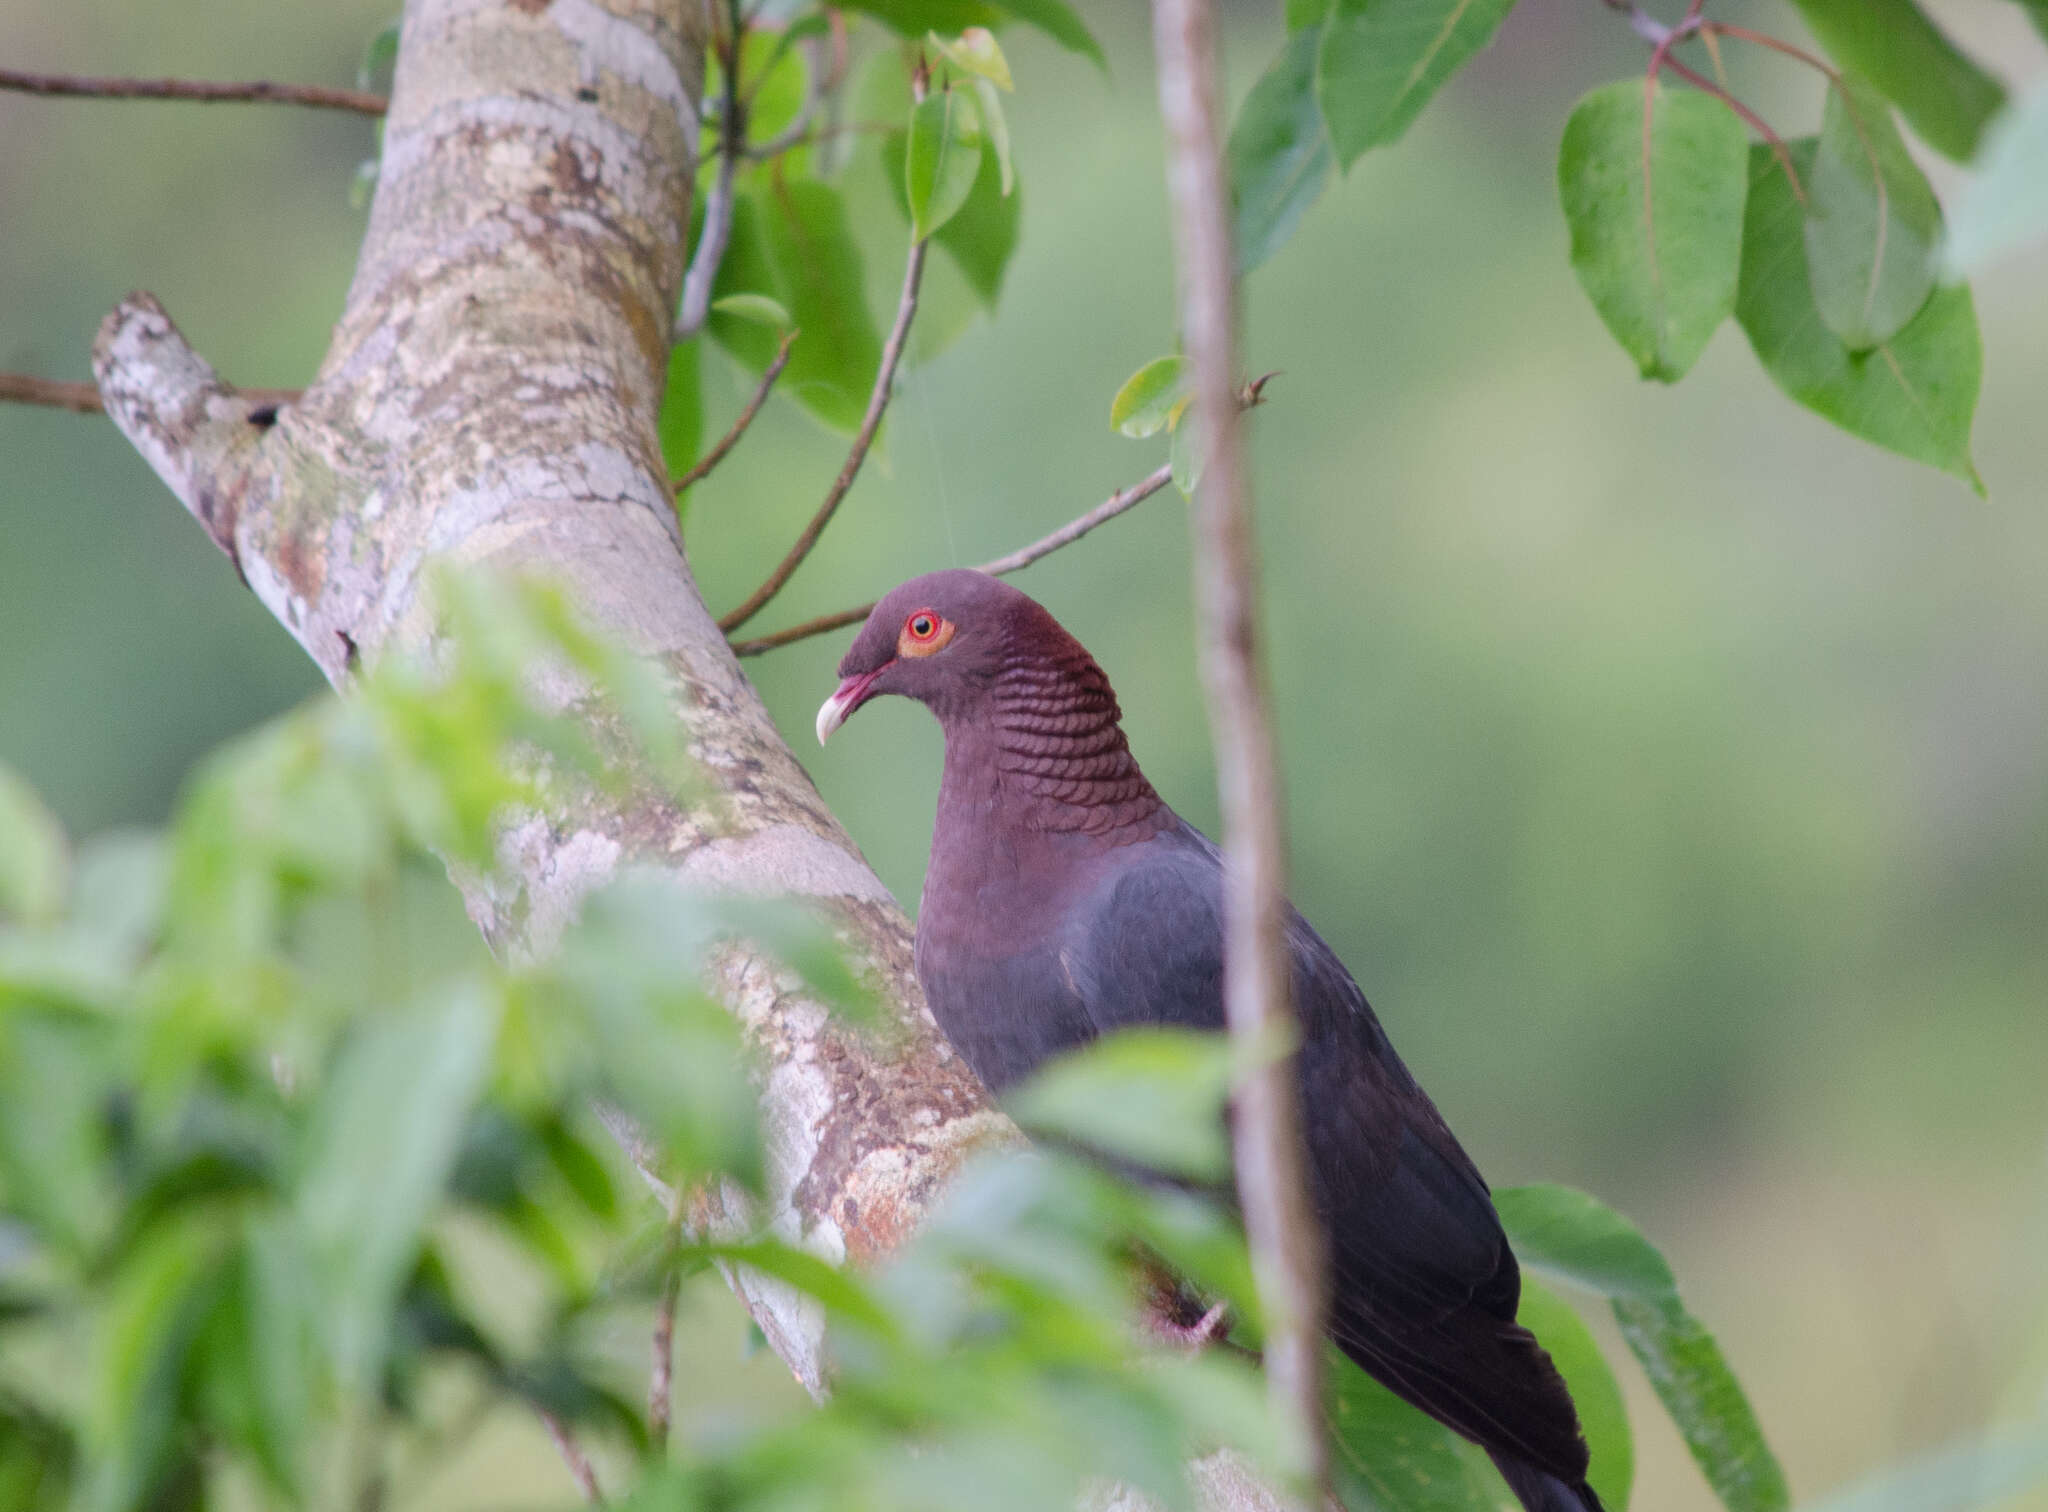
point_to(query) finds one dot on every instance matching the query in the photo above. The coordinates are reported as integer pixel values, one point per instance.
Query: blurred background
(1669, 767)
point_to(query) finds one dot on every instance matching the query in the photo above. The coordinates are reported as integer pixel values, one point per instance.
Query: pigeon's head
(940, 639)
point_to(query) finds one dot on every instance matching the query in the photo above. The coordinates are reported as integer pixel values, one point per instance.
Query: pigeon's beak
(853, 692)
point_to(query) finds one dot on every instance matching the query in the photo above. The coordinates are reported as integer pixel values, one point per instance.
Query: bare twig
(317, 96)
(84, 398)
(717, 229)
(1016, 561)
(580, 1469)
(731, 438)
(878, 400)
(1253, 393)
(1280, 1226)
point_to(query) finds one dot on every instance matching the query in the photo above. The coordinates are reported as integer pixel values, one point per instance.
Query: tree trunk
(489, 399)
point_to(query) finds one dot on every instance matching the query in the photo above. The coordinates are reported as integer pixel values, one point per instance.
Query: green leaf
(768, 312)
(383, 1141)
(1945, 95)
(1279, 153)
(1382, 60)
(1187, 455)
(1693, 1380)
(1386, 1456)
(941, 159)
(1151, 1096)
(1302, 13)
(975, 52)
(792, 242)
(1914, 394)
(378, 56)
(35, 862)
(1959, 1478)
(2038, 11)
(1059, 21)
(681, 421)
(2004, 207)
(1144, 405)
(1659, 259)
(1602, 1412)
(1581, 1240)
(997, 126)
(1871, 220)
(913, 18)
(981, 236)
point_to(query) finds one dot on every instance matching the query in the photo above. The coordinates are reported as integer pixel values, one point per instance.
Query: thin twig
(731, 438)
(718, 205)
(1272, 1181)
(1775, 44)
(1016, 561)
(661, 1378)
(878, 400)
(317, 96)
(580, 1469)
(84, 398)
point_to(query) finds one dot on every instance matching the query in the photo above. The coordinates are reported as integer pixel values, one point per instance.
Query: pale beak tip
(831, 715)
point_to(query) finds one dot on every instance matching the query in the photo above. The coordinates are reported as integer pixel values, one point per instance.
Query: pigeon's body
(1065, 900)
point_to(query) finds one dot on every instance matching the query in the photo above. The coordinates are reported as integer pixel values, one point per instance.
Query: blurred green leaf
(1659, 259)
(1382, 60)
(1386, 1456)
(913, 18)
(57, 1088)
(681, 421)
(977, 53)
(1871, 220)
(996, 126)
(1947, 97)
(1059, 21)
(1187, 454)
(34, 858)
(791, 241)
(753, 307)
(1150, 1096)
(382, 1144)
(1279, 152)
(2004, 206)
(1959, 1478)
(1581, 1240)
(378, 56)
(1145, 404)
(1914, 394)
(1597, 1395)
(941, 158)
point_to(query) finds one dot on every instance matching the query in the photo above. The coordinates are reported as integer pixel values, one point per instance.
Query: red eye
(923, 625)
(925, 633)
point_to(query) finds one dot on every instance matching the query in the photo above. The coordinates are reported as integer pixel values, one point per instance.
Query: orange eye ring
(925, 631)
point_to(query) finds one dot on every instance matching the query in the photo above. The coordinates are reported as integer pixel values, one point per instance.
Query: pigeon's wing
(1424, 1287)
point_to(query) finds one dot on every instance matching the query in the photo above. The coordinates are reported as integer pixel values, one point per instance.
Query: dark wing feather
(1423, 1284)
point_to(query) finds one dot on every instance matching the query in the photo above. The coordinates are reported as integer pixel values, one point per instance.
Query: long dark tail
(1540, 1491)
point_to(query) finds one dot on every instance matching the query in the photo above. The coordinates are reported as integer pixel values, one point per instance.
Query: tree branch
(1280, 1225)
(315, 96)
(1016, 561)
(84, 398)
(580, 1469)
(878, 401)
(522, 228)
(731, 438)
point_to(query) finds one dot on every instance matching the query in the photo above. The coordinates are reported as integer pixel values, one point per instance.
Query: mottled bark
(490, 399)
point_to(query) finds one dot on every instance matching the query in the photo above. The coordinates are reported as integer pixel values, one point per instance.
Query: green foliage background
(1668, 766)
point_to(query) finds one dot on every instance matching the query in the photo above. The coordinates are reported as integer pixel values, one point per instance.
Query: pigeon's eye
(924, 632)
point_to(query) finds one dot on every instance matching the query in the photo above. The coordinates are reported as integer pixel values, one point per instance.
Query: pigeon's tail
(1540, 1491)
